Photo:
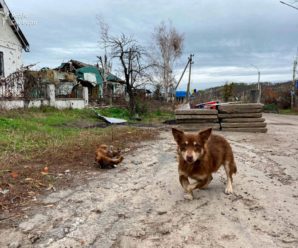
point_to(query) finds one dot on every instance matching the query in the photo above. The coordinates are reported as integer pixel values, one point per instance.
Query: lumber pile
(197, 119)
(242, 118)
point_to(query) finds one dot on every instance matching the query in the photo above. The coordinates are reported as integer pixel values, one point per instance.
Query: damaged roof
(84, 74)
(84, 71)
(111, 77)
(14, 26)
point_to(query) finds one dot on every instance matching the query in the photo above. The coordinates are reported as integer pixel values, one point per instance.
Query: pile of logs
(197, 119)
(242, 118)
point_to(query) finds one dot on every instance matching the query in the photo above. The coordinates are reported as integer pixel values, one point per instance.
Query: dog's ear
(205, 134)
(178, 135)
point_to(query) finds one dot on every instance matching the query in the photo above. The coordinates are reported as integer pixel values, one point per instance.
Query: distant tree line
(277, 93)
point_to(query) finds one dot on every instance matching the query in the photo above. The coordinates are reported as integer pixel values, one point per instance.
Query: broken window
(1, 65)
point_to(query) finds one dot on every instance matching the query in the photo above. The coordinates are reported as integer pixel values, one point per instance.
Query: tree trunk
(166, 93)
(132, 102)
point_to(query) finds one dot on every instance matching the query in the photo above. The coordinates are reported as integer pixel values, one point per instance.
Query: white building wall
(9, 45)
(59, 103)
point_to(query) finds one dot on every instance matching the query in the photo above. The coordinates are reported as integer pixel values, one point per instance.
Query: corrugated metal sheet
(85, 72)
(110, 120)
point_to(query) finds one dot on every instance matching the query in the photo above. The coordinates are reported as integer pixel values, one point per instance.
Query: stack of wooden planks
(197, 119)
(242, 118)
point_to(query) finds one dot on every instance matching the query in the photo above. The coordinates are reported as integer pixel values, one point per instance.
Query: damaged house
(12, 42)
(92, 77)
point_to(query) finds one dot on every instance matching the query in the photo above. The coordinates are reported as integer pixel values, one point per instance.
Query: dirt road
(141, 203)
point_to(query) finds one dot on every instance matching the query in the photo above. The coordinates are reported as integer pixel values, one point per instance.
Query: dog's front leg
(186, 186)
(199, 184)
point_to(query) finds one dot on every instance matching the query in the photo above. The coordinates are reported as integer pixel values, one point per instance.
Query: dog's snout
(189, 158)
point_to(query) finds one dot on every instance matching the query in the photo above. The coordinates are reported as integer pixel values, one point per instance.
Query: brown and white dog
(200, 155)
(107, 157)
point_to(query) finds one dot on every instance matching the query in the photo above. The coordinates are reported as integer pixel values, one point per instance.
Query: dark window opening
(1, 65)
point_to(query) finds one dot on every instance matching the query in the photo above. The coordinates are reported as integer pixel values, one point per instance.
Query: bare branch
(169, 44)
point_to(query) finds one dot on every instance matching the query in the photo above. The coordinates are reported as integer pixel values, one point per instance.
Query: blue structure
(180, 94)
(297, 85)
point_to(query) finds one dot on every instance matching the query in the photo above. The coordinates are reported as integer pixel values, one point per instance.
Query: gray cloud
(225, 36)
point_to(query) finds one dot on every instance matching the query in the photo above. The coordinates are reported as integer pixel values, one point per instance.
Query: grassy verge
(158, 116)
(40, 148)
(155, 116)
(288, 111)
(27, 131)
(273, 108)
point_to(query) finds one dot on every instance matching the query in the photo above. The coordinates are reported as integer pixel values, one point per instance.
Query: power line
(292, 6)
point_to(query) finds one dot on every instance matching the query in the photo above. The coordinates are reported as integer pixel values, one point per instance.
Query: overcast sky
(225, 36)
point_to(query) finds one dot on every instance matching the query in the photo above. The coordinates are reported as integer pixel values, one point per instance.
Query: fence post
(85, 96)
(51, 94)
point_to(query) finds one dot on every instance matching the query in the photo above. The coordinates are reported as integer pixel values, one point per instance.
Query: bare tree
(169, 44)
(105, 61)
(132, 60)
(133, 65)
(134, 68)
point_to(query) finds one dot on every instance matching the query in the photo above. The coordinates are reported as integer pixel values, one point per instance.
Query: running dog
(200, 155)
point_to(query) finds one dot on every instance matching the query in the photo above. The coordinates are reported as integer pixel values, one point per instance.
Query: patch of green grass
(148, 117)
(115, 112)
(288, 111)
(270, 108)
(35, 129)
(157, 116)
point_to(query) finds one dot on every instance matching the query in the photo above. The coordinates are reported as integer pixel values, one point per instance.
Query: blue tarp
(180, 93)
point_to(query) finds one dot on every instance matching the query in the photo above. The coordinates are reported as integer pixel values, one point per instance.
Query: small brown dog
(200, 155)
(107, 157)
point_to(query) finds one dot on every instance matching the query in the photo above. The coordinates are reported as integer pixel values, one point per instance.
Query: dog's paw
(229, 190)
(188, 196)
(191, 187)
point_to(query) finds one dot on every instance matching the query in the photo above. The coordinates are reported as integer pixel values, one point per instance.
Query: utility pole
(189, 77)
(259, 85)
(293, 95)
(182, 75)
(189, 63)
